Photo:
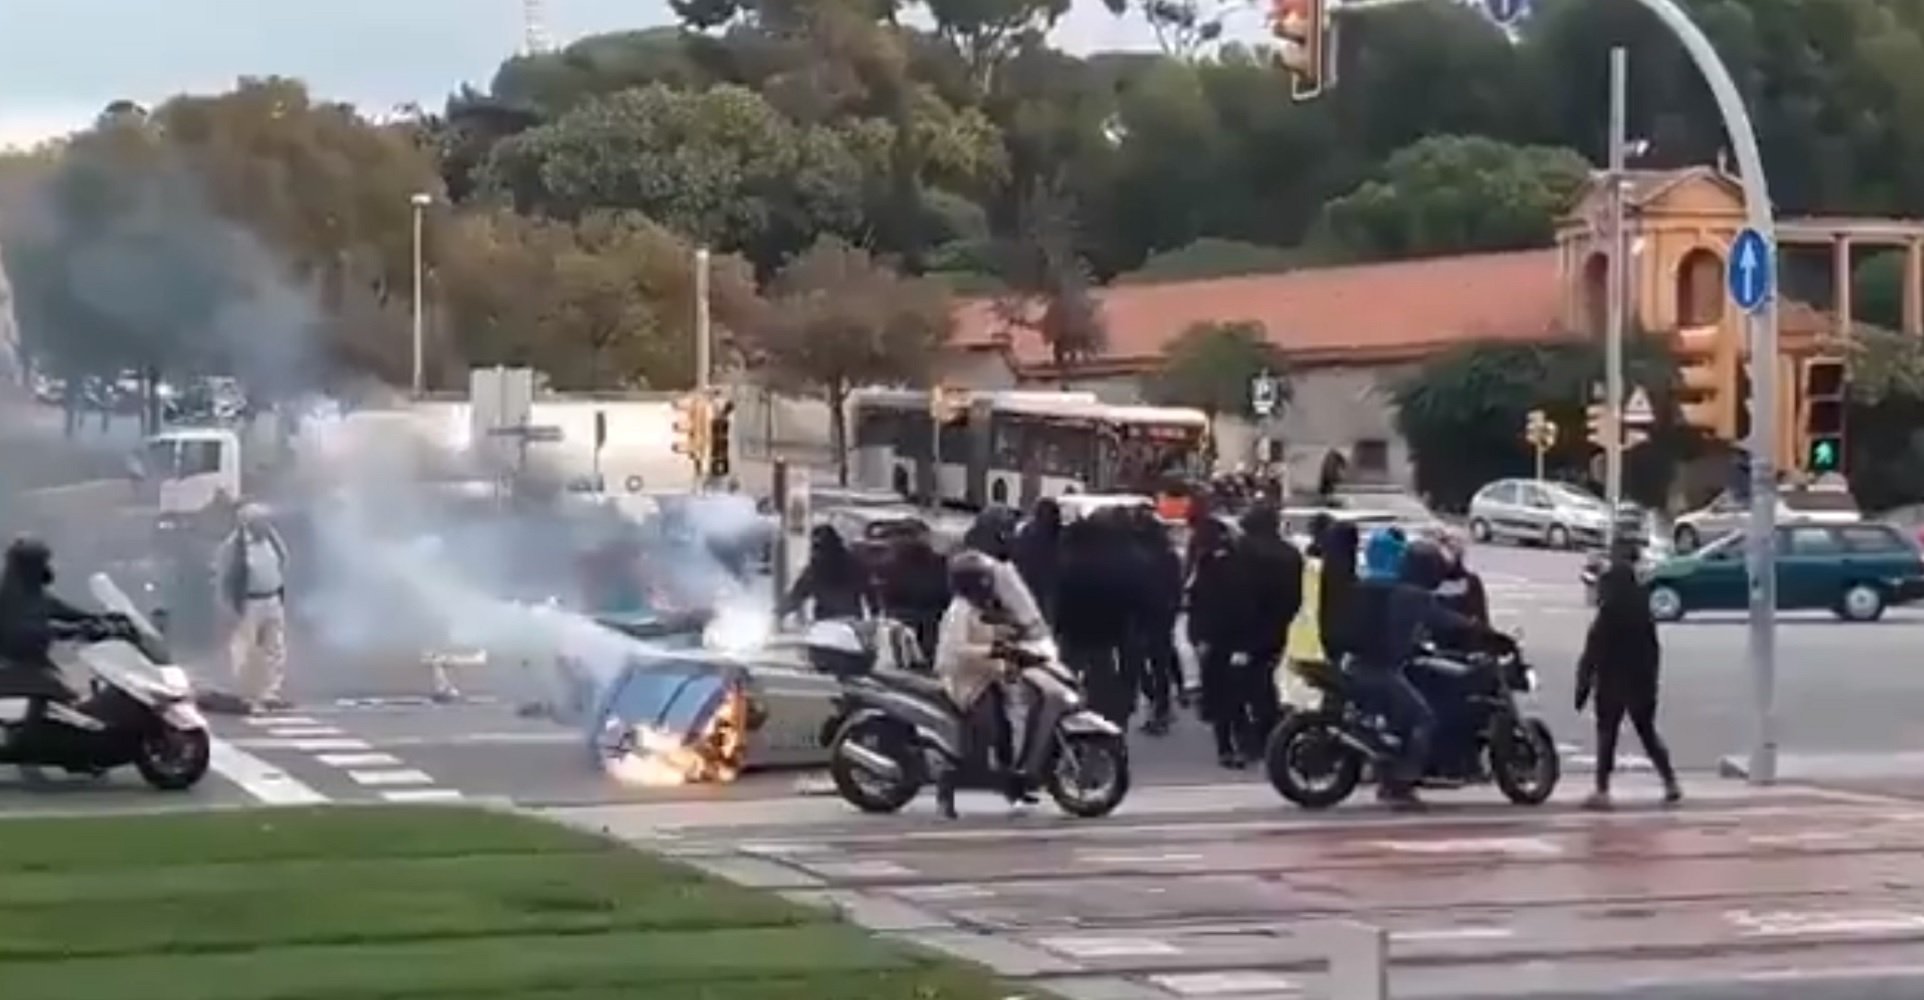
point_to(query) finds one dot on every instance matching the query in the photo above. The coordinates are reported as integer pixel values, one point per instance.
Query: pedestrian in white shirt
(252, 567)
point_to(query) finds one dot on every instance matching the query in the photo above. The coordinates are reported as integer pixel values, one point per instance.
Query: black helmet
(1424, 564)
(993, 532)
(30, 561)
(972, 577)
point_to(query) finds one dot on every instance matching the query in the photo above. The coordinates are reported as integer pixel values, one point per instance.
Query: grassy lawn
(359, 904)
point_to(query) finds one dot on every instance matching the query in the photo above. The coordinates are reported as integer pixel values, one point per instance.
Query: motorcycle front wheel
(1309, 763)
(1525, 763)
(867, 788)
(174, 760)
(1090, 775)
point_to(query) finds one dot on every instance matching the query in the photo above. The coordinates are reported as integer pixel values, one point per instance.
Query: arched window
(1700, 289)
(1596, 293)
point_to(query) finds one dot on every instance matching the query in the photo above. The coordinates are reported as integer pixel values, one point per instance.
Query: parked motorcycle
(1487, 730)
(894, 729)
(140, 709)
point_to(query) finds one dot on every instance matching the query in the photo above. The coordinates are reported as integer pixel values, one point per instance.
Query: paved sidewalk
(1222, 891)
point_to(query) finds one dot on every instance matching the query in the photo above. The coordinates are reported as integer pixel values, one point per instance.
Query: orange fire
(662, 760)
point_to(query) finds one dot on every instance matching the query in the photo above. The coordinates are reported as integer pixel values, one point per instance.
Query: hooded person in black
(915, 587)
(1038, 554)
(1212, 619)
(992, 533)
(1336, 591)
(1268, 574)
(1093, 613)
(1619, 666)
(1393, 619)
(834, 582)
(32, 619)
(1158, 584)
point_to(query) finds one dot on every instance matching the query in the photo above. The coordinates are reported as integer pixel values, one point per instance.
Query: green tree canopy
(836, 319)
(1211, 366)
(1457, 194)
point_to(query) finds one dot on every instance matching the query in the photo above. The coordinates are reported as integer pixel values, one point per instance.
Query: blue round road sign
(1749, 271)
(1506, 12)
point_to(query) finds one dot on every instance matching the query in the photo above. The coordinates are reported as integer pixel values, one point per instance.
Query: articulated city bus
(1016, 447)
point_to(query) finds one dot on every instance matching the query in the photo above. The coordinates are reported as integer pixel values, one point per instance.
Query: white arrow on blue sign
(1749, 272)
(1506, 12)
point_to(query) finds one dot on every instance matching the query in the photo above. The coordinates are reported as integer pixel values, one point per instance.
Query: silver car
(1528, 510)
(1725, 514)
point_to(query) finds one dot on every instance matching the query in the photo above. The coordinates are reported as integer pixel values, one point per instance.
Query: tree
(1212, 366)
(836, 319)
(1048, 285)
(1184, 28)
(1885, 418)
(603, 304)
(984, 33)
(1463, 411)
(719, 166)
(1457, 194)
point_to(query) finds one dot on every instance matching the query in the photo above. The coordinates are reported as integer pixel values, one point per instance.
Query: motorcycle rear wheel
(1525, 763)
(1305, 739)
(874, 793)
(174, 760)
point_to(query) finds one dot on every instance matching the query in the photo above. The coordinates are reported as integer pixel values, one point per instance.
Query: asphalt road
(1211, 892)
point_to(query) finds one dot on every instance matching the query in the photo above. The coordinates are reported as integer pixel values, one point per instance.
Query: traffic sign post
(1263, 392)
(1750, 272)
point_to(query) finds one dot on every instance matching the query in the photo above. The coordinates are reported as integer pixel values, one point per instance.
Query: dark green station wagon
(1852, 570)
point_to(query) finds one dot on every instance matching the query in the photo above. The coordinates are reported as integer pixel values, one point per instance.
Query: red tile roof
(1370, 313)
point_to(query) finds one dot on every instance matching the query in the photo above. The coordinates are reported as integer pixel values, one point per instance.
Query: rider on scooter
(1396, 616)
(32, 619)
(991, 607)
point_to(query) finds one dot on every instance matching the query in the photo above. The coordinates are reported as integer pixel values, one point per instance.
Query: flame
(661, 759)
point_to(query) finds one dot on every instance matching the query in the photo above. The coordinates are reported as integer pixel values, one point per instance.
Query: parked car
(1528, 510)
(1853, 570)
(1725, 514)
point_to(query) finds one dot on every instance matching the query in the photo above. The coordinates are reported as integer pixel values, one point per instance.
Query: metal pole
(419, 380)
(1613, 332)
(702, 361)
(1761, 335)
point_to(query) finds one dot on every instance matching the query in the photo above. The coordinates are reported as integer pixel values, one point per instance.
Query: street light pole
(703, 376)
(1616, 280)
(420, 203)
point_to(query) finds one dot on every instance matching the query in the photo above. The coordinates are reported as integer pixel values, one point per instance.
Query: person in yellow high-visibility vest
(1305, 644)
(1320, 633)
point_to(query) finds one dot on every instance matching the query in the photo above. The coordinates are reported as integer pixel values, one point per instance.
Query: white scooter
(140, 710)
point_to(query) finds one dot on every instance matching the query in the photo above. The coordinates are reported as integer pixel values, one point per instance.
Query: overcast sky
(61, 61)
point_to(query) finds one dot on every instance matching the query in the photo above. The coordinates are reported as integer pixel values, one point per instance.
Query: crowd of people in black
(1114, 584)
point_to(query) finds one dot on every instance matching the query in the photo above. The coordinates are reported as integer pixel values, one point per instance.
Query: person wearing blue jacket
(1383, 555)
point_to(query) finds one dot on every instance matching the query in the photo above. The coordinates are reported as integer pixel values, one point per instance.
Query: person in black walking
(1268, 574)
(1619, 668)
(1158, 580)
(1037, 554)
(1093, 614)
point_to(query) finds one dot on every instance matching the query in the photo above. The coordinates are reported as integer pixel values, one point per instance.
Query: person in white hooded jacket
(991, 606)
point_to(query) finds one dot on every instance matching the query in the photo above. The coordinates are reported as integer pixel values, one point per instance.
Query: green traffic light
(1824, 456)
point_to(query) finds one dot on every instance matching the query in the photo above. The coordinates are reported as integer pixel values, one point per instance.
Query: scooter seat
(921, 684)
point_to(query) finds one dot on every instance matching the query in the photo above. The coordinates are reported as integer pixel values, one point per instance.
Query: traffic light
(719, 420)
(1824, 388)
(692, 427)
(1308, 45)
(1707, 382)
(1539, 432)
